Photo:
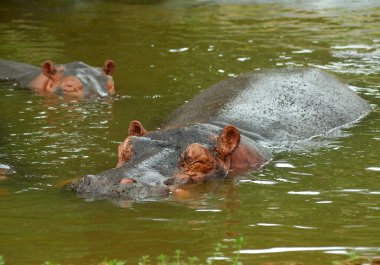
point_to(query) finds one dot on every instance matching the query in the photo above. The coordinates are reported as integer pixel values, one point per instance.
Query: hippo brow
(76, 65)
(148, 162)
(146, 169)
(159, 142)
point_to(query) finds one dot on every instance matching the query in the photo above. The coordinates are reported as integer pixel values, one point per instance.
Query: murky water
(310, 206)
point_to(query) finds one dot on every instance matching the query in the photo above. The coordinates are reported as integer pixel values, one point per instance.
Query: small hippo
(74, 79)
(219, 132)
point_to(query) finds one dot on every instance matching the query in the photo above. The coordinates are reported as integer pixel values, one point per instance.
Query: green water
(311, 206)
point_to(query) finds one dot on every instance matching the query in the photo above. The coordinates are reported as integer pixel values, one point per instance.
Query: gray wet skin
(154, 163)
(93, 79)
(271, 106)
(277, 105)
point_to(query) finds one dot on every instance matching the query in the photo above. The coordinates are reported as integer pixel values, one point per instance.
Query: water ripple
(303, 249)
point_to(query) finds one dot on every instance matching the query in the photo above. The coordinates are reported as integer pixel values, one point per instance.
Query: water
(310, 206)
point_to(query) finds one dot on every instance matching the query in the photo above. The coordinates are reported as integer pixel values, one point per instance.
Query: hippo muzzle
(101, 187)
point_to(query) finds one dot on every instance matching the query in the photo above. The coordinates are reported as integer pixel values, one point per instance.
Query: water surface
(310, 206)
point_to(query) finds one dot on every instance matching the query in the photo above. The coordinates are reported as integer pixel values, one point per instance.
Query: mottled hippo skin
(216, 134)
(276, 105)
(73, 79)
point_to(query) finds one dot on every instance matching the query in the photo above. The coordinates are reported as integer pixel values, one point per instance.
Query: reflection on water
(333, 250)
(356, 59)
(307, 205)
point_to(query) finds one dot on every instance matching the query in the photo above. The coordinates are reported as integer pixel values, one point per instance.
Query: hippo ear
(136, 129)
(48, 69)
(228, 141)
(109, 67)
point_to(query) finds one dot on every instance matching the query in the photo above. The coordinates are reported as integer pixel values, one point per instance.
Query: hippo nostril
(169, 182)
(183, 180)
(125, 181)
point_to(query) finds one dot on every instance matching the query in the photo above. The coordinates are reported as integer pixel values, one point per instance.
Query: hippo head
(182, 155)
(151, 164)
(79, 79)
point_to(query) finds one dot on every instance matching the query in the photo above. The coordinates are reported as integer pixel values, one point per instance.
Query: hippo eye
(72, 86)
(196, 164)
(186, 158)
(70, 89)
(197, 157)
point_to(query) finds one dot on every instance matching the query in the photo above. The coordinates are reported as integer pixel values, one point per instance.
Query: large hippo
(75, 79)
(218, 133)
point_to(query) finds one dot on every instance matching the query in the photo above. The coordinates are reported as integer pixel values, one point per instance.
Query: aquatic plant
(113, 262)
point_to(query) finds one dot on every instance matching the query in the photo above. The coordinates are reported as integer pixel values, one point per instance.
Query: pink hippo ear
(136, 129)
(125, 149)
(48, 69)
(109, 67)
(228, 141)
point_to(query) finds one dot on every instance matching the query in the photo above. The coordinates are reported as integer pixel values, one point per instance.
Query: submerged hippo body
(74, 79)
(198, 141)
(275, 105)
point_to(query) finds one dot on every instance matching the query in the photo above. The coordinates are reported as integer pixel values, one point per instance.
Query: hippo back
(276, 105)
(20, 72)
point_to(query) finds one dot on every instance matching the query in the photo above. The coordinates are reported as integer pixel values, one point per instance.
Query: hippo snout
(139, 191)
(99, 187)
(86, 184)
